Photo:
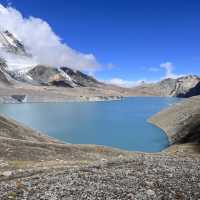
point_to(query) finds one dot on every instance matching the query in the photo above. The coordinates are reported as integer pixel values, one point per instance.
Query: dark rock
(43, 74)
(4, 76)
(192, 92)
(19, 98)
(61, 83)
(80, 78)
(17, 48)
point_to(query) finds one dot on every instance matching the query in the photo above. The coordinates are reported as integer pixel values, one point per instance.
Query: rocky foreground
(142, 177)
(34, 166)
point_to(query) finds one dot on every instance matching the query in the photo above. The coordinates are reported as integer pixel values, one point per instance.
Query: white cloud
(127, 83)
(16, 62)
(45, 46)
(169, 67)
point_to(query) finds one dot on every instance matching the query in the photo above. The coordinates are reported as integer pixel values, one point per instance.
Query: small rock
(149, 183)
(120, 156)
(7, 173)
(20, 170)
(130, 196)
(150, 192)
(103, 160)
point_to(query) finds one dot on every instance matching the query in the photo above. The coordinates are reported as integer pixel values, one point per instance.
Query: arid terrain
(34, 166)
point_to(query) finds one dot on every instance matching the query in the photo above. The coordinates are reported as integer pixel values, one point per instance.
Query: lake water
(122, 124)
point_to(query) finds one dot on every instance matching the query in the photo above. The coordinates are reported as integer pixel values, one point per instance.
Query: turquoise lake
(122, 124)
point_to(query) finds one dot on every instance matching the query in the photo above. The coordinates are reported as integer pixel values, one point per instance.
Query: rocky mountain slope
(11, 44)
(22, 80)
(181, 122)
(30, 75)
(180, 87)
(63, 76)
(4, 76)
(38, 74)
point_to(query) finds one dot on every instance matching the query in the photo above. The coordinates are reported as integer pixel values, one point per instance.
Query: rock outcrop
(45, 75)
(191, 92)
(11, 44)
(63, 76)
(81, 79)
(4, 76)
(180, 87)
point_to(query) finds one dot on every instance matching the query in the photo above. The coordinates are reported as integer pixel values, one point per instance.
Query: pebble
(150, 192)
(7, 173)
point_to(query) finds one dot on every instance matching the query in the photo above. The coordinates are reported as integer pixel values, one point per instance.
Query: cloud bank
(44, 45)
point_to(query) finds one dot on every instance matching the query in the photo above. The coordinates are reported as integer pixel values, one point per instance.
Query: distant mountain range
(36, 74)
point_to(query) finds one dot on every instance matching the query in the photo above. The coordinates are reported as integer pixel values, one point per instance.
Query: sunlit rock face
(185, 86)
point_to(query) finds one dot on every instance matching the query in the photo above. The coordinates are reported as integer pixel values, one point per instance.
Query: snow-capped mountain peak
(9, 43)
(22, 67)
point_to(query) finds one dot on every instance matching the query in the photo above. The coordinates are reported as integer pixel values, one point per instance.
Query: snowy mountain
(20, 66)
(11, 44)
(63, 76)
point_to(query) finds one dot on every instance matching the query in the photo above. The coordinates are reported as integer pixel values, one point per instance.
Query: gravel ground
(143, 177)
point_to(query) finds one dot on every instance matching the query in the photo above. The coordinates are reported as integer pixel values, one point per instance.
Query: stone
(7, 173)
(150, 192)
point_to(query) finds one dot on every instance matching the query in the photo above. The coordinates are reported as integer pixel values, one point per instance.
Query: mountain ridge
(40, 74)
(179, 87)
(34, 74)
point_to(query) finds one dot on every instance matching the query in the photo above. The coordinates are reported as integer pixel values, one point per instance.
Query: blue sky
(131, 39)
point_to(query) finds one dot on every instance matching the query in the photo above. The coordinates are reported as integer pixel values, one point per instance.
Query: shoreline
(27, 99)
(95, 99)
(101, 99)
(10, 100)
